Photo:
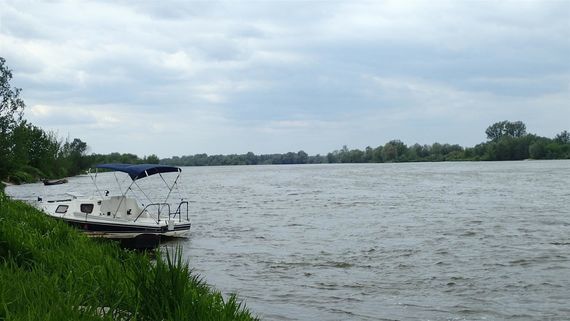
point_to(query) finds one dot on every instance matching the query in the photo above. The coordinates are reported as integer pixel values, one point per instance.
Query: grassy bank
(49, 271)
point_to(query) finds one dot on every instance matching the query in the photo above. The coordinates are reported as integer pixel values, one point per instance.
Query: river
(408, 241)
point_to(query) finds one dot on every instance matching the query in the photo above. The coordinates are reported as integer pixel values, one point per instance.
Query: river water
(413, 241)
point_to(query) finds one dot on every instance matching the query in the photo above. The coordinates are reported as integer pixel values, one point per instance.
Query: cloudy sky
(186, 77)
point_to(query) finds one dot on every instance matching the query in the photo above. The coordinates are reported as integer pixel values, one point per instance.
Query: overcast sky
(186, 77)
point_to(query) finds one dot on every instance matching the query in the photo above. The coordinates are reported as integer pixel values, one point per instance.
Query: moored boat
(123, 216)
(48, 182)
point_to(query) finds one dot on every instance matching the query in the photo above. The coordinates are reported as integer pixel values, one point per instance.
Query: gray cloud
(287, 75)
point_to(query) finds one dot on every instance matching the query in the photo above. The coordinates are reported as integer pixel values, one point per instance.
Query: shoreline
(48, 266)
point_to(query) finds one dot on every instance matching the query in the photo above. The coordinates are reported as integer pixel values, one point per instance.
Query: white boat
(123, 216)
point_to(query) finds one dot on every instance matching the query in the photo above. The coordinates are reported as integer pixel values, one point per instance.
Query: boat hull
(141, 233)
(54, 182)
(129, 236)
(125, 230)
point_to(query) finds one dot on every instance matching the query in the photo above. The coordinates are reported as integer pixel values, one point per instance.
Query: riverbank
(49, 271)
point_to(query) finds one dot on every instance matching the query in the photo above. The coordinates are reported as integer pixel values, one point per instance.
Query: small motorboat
(123, 216)
(48, 182)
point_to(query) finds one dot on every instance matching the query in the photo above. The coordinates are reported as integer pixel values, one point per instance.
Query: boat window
(61, 209)
(86, 208)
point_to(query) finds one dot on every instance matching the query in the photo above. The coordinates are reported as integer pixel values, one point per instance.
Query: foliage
(11, 105)
(563, 137)
(126, 158)
(245, 159)
(505, 128)
(73, 152)
(49, 271)
(11, 109)
(510, 142)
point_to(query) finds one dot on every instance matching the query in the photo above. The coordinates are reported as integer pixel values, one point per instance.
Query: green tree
(515, 129)
(418, 152)
(250, 158)
(563, 137)
(368, 154)
(554, 150)
(537, 150)
(289, 158)
(394, 150)
(356, 156)
(344, 154)
(505, 128)
(332, 157)
(151, 159)
(302, 157)
(377, 155)
(11, 109)
(389, 153)
(73, 156)
(34, 147)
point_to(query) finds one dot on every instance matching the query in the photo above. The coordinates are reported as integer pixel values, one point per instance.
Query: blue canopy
(140, 170)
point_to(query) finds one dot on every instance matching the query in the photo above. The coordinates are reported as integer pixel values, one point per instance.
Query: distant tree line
(506, 141)
(29, 153)
(244, 159)
(125, 158)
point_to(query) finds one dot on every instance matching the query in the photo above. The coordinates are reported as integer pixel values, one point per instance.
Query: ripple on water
(431, 241)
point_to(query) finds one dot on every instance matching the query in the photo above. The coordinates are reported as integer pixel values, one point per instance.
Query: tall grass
(49, 271)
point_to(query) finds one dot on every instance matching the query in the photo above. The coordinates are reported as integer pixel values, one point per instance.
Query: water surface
(416, 241)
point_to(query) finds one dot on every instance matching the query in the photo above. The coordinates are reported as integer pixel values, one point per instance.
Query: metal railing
(161, 209)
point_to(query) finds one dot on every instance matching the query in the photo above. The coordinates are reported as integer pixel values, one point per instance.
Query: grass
(49, 271)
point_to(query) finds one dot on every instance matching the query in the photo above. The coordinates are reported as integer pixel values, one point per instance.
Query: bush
(34, 172)
(20, 177)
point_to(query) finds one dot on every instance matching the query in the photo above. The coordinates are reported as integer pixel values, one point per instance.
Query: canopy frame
(136, 172)
(139, 171)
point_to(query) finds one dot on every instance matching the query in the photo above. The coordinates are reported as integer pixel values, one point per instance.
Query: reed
(49, 271)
